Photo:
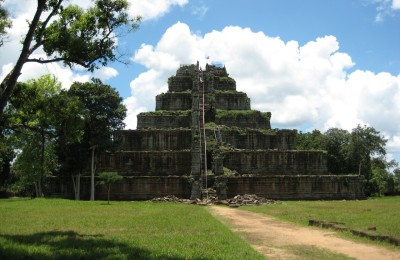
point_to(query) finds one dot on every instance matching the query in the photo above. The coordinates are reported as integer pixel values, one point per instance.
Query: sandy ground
(272, 237)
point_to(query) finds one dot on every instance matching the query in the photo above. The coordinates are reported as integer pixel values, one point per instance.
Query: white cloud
(153, 9)
(396, 5)
(21, 12)
(132, 110)
(303, 86)
(385, 8)
(105, 73)
(199, 9)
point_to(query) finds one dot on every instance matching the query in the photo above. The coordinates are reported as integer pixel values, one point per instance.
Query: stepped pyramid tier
(203, 138)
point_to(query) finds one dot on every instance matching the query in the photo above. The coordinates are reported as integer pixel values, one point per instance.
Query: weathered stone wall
(180, 83)
(174, 101)
(272, 187)
(299, 187)
(216, 70)
(232, 101)
(286, 139)
(244, 119)
(188, 70)
(256, 139)
(248, 139)
(154, 140)
(129, 188)
(166, 120)
(147, 163)
(276, 162)
(222, 83)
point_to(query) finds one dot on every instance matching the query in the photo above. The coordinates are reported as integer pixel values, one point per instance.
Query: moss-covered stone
(243, 118)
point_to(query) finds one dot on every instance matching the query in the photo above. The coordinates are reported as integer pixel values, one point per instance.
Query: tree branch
(9, 82)
(42, 61)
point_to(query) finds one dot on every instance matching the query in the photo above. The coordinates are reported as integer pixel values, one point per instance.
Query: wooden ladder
(202, 132)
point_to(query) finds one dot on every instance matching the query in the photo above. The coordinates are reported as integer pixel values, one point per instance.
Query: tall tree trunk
(93, 169)
(8, 83)
(78, 187)
(108, 193)
(42, 163)
(37, 192)
(39, 185)
(76, 180)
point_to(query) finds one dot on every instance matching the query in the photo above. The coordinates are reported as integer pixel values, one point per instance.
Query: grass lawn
(382, 213)
(64, 229)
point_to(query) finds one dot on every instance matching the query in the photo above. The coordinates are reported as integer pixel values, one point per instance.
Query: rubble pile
(171, 198)
(238, 200)
(248, 199)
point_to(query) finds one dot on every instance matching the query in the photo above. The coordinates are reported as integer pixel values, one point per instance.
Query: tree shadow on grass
(70, 245)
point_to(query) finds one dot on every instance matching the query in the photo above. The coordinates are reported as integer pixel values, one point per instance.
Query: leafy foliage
(72, 35)
(5, 23)
(30, 116)
(53, 129)
(85, 37)
(108, 178)
(360, 152)
(33, 164)
(104, 111)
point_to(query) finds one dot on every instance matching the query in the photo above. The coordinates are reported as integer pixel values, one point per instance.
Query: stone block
(174, 101)
(232, 101)
(243, 118)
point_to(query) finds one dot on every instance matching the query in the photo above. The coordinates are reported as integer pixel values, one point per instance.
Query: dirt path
(275, 238)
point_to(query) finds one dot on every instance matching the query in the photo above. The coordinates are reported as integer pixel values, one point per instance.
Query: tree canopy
(53, 130)
(72, 35)
(5, 22)
(31, 118)
(361, 151)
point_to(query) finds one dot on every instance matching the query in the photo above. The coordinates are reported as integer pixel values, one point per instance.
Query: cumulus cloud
(105, 73)
(153, 9)
(306, 86)
(133, 109)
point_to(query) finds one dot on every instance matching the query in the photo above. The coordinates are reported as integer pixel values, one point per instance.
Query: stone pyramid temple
(204, 139)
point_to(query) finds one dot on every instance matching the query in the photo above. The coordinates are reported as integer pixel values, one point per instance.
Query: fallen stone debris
(238, 200)
(341, 227)
(172, 198)
(250, 200)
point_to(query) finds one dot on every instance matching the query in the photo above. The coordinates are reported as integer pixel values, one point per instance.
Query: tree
(30, 116)
(7, 154)
(396, 180)
(108, 178)
(105, 115)
(365, 142)
(69, 116)
(34, 163)
(5, 22)
(336, 144)
(71, 35)
(310, 141)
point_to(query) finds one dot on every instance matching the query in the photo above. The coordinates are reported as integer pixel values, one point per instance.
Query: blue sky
(373, 45)
(315, 64)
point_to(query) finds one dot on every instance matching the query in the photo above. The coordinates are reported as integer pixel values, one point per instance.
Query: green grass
(382, 213)
(63, 229)
(313, 252)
